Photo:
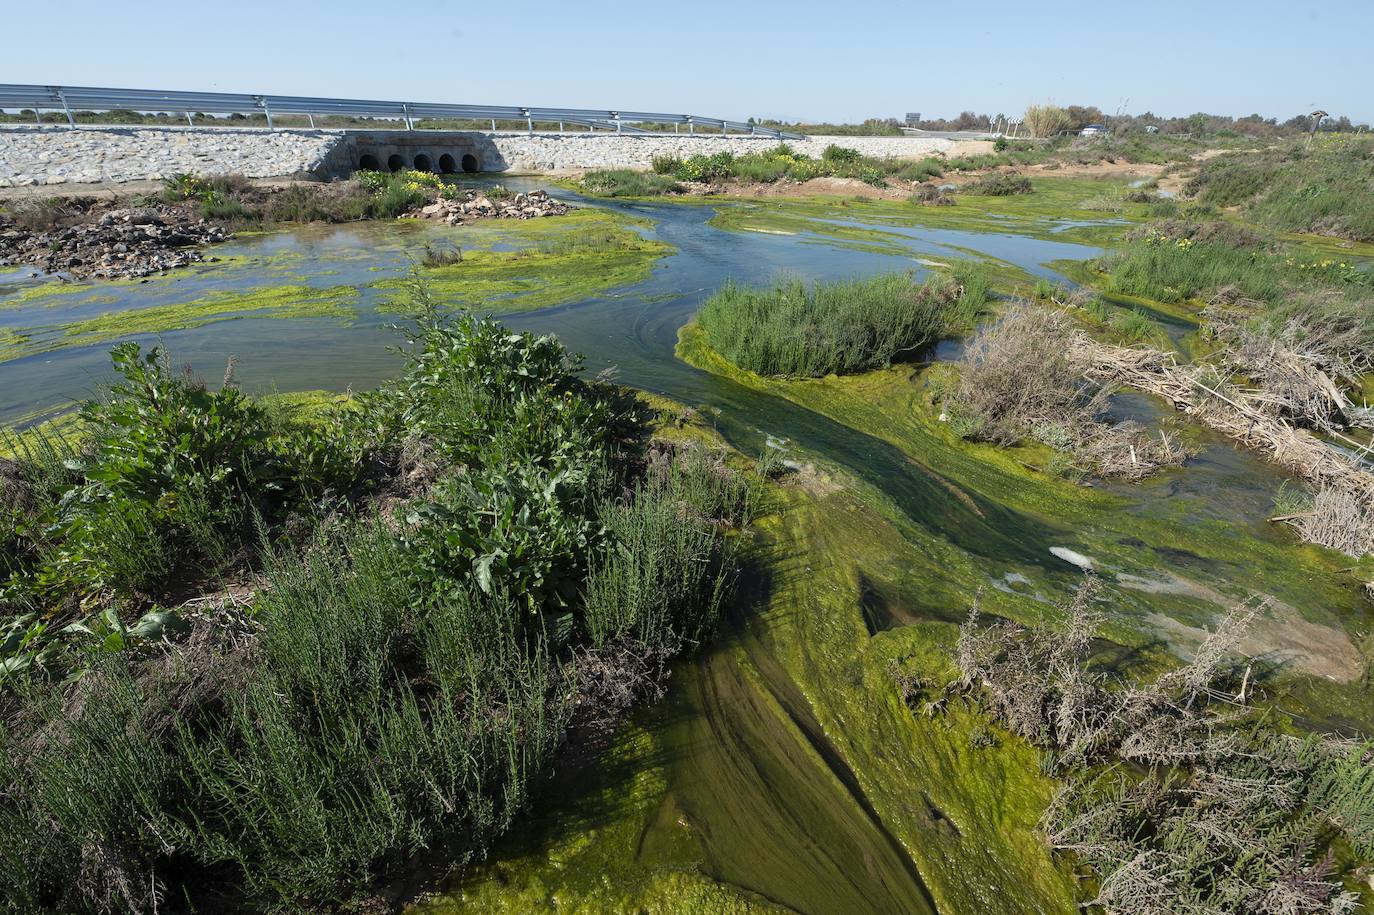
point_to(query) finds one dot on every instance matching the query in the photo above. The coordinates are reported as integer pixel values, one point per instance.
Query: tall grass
(662, 571)
(1326, 189)
(1169, 272)
(842, 327)
(1174, 261)
(376, 716)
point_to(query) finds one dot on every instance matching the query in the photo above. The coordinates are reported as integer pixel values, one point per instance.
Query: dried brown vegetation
(1177, 792)
(1300, 364)
(1021, 379)
(1342, 516)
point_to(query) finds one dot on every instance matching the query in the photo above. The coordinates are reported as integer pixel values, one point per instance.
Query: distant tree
(1081, 116)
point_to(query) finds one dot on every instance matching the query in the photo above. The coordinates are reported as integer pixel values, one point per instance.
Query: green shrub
(840, 155)
(929, 167)
(716, 167)
(761, 169)
(666, 165)
(663, 567)
(168, 480)
(1134, 326)
(398, 198)
(1163, 208)
(168, 487)
(227, 209)
(622, 182)
(377, 714)
(1002, 184)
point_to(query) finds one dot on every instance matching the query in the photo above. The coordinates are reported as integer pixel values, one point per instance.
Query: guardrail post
(529, 123)
(312, 120)
(188, 120)
(266, 109)
(405, 115)
(493, 125)
(71, 122)
(560, 128)
(691, 128)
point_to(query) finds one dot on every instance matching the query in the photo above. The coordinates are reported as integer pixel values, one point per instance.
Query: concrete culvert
(422, 163)
(470, 163)
(446, 164)
(370, 163)
(395, 163)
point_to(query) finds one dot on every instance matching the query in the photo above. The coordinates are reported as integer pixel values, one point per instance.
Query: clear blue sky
(804, 59)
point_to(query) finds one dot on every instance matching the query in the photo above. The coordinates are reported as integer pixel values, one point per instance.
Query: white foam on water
(1073, 558)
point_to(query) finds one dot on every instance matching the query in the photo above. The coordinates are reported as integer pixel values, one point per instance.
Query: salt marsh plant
(624, 182)
(1323, 190)
(1001, 184)
(842, 327)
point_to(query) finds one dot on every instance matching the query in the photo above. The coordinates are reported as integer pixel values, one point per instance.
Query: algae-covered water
(781, 772)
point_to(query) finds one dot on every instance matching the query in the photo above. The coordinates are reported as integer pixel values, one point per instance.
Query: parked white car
(1093, 130)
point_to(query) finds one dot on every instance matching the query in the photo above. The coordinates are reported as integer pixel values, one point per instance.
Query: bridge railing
(69, 99)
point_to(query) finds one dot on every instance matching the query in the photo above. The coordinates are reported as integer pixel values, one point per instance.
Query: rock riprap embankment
(118, 243)
(479, 206)
(54, 156)
(30, 156)
(551, 153)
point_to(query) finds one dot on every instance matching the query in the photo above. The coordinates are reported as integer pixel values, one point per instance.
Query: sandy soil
(1278, 633)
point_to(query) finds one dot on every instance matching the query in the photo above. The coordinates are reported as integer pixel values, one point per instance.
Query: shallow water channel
(744, 782)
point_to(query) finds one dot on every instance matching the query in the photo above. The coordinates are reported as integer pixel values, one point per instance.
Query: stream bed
(779, 774)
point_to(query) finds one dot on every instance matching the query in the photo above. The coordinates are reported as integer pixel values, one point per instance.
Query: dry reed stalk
(1344, 508)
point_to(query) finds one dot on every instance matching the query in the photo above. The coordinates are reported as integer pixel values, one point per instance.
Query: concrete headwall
(52, 155)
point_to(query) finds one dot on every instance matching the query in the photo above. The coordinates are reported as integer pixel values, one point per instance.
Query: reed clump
(842, 327)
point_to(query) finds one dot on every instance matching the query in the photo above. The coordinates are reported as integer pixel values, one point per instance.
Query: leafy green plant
(842, 155)
(665, 165)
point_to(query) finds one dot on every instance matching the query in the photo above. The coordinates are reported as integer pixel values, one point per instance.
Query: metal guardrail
(82, 98)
